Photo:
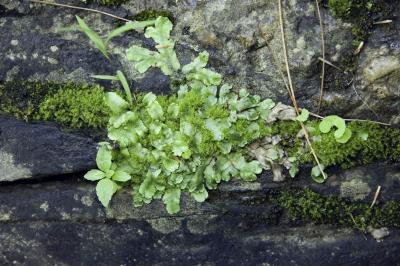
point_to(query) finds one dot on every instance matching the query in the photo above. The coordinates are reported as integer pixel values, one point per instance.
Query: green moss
(308, 206)
(76, 108)
(22, 98)
(72, 105)
(340, 8)
(153, 14)
(383, 143)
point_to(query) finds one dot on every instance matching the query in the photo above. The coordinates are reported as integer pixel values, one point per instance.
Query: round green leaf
(105, 189)
(333, 120)
(346, 136)
(94, 175)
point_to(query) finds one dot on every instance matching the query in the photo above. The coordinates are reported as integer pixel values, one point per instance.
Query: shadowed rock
(38, 149)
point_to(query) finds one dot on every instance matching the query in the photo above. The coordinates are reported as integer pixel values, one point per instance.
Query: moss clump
(308, 206)
(22, 98)
(382, 143)
(76, 108)
(340, 8)
(71, 105)
(153, 14)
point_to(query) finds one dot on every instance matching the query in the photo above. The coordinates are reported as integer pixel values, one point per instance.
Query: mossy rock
(71, 105)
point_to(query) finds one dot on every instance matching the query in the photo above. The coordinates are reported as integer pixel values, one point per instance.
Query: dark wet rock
(38, 149)
(61, 222)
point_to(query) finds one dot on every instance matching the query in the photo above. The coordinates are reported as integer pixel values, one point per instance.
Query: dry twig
(292, 96)
(378, 190)
(321, 93)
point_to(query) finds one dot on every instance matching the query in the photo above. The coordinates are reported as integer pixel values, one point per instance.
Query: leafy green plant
(191, 141)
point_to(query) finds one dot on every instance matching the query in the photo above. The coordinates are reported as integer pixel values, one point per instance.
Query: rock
(39, 150)
(378, 75)
(60, 222)
(234, 33)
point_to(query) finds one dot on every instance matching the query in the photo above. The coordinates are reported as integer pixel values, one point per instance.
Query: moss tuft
(76, 108)
(383, 143)
(72, 105)
(308, 206)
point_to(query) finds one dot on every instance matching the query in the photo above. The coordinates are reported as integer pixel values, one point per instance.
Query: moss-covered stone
(308, 206)
(71, 105)
(382, 143)
(76, 108)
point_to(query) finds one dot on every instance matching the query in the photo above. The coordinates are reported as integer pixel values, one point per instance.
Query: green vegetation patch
(369, 142)
(308, 206)
(71, 105)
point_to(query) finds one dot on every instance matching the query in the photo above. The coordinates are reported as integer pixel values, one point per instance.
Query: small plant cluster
(192, 140)
(188, 142)
(308, 206)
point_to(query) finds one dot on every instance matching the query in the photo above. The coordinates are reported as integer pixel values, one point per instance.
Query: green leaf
(267, 104)
(93, 36)
(170, 164)
(333, 120)
(303, 117)
(200, 195)
(206, 76)
(94, 175)
(144, 58)
(103, 158)
(116, 103)
(317, 175)
(160, 33)
(105, 189)
(105, 77)
(121, 176)
(125, 85)
(224, 93)
(119, 120)
(293, 171)
(250, 170)
(122, 136)
(147, 187)
(198, 63)
(187, 129)
(217, 127)
(345, 137)
(155, 110)
(171, 200)
(135, 25)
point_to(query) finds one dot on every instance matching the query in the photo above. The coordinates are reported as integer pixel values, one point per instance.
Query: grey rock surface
(38, 150)
(43, 43)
